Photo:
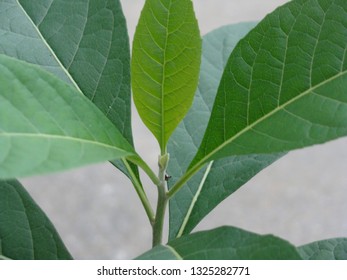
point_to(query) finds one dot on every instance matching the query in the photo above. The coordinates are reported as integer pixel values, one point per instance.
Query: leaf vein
(174, 252)
(206, 158)
(194, 200)
(49, 48)
(61, 137)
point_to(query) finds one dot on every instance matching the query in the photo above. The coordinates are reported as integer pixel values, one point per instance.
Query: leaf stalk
(141, 193)
(144, 166)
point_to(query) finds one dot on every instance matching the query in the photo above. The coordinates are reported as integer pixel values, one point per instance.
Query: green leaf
(165, 64)
(85, 43)
(46, 125)
(227, 243)
(160, 252)
(25, 231)
(284, 86)
(213, 184)
(330, 249)
(22, 39)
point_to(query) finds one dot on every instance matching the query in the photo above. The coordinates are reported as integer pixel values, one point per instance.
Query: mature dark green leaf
(46, 125)
(330, 249)
(85, 43)
(284, 86)
(25, 231)
(227, 243)
(21, 38)
(213, 184)
(165, 64)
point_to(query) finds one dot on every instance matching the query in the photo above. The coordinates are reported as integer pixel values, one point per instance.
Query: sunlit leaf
(165, 64)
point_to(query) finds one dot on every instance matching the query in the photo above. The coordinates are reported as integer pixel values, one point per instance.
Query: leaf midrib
(194, 200)
(50, 49)
(163, 136)
(251, 126)
(61, 137)
(174, 252)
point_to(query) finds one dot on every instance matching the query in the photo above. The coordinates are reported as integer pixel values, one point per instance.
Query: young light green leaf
(284, 86)
(46, 126)
(228, 243)
(25, 231)
(165, 64)
(85, 43)
(330, 249)
(212, 185)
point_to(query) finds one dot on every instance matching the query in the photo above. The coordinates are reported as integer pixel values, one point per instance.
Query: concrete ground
(301, 197)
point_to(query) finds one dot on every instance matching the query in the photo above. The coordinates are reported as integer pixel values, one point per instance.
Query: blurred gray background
(301, 197)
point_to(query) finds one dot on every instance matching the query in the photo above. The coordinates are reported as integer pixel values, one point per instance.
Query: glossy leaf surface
(227, 243)
(165, 64)
(25, 231)
(284, 86)
(330, 249)
(46, 125)
(213, 184)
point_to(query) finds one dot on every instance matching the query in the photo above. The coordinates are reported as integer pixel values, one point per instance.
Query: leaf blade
(330, 249)
(44, 126)
(26, 232)
(220, 178)
(16, 27)
(288, 86)
(85, 43)
(160, 252)
(75, 61)
(229, 243)
(165, 65)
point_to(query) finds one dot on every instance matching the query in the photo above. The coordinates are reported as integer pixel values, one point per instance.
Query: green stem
(141, 193)
(162, 201)
(158, 224)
